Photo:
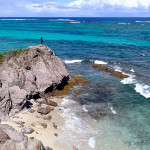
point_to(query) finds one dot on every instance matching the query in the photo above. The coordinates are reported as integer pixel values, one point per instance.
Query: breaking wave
(140, 88)
(100, 62)
(72, 61)
(18, 19)
(77, 131)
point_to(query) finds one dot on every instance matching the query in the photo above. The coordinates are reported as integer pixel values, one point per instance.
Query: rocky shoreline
(41, 122)
(25, 79)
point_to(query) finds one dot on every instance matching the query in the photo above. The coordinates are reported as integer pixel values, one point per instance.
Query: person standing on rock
(41, 40)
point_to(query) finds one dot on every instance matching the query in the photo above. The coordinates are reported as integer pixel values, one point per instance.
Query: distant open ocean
(110, 113)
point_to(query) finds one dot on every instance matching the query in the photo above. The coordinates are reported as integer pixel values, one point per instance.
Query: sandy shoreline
(49, 135)
(70, 133)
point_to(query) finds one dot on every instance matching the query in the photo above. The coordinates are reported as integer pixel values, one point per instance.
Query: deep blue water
(121, 107)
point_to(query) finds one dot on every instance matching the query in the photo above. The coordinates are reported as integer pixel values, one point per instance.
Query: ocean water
(110, 113)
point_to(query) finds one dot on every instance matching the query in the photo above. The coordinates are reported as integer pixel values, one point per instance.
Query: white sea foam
(76, 130)
(143, 21)
(143, 90)
(74, 22)
(124, 23)
(113, 111)
(130, 80)
(65, 20)
(66, 101)
(92, 142)
(117, 68)
(84, 109)
(72, 61)
(13, 19)
(132, 70)
(139, 21)
(18, 19)
(100, 62)
(143, 55)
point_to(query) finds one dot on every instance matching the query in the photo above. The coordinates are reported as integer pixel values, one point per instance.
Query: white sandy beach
(49, 135)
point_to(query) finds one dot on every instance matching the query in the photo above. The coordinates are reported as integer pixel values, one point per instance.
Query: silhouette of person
(41, 40)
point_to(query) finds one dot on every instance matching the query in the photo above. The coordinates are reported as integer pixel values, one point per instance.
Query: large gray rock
(24, 145)
(27, 74)
(12, 140)
(27, 130)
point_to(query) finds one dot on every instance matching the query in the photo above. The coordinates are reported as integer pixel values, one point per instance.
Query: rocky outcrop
(12, 140)
(26, 75)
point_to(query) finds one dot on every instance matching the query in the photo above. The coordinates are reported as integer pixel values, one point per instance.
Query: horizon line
(75, 17)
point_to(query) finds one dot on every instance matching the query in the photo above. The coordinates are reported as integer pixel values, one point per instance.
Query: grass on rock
(10, 54)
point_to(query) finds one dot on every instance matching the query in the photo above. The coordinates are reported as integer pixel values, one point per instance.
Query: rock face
(28, 74)
(12, 140)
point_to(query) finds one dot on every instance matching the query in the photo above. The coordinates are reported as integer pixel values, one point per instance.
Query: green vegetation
(2, 58)
(10, 54)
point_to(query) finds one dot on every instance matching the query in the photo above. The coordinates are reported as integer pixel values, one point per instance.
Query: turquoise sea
(110, 113)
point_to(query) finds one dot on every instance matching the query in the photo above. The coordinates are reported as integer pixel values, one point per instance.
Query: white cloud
(102, 3)
(88, 4)
(48, 7)
(90, 7)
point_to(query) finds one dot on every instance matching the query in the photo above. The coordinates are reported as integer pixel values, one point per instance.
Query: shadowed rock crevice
(36, 96)
(64, 82)
(59, 87)
(27, 105)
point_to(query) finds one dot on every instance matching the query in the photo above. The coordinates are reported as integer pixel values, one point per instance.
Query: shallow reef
(74, 80)
(112, 72)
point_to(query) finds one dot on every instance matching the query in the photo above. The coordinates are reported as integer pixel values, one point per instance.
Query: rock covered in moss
(26, 74)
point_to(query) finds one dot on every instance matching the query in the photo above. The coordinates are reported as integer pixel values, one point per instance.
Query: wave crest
(72, 61)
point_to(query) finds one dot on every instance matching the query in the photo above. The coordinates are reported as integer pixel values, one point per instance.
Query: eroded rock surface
(12, 140)
(28, 74)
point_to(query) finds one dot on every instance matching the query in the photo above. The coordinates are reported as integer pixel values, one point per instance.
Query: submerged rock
(27, 74)
(96, 65)
(112, 72)
(73, 81)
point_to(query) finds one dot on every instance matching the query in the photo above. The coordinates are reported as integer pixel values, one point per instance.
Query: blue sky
(74, 8)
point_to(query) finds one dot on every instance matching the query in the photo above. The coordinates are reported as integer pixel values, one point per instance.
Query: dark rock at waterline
(27, 74)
